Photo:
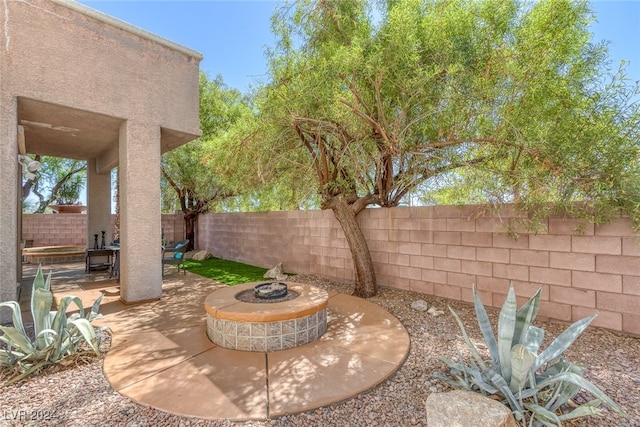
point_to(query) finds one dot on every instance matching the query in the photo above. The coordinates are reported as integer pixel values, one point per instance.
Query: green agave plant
(537, 386)
(57, 337)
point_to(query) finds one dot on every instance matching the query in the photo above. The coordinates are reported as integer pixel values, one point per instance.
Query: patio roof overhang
(61, 131)
(79, 84)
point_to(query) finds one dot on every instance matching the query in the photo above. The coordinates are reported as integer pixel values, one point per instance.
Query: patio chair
(174, 254)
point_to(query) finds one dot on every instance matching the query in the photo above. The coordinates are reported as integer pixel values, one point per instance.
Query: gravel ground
(79, 395)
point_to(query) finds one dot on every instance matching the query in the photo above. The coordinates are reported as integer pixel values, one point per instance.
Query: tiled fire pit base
(266, 327)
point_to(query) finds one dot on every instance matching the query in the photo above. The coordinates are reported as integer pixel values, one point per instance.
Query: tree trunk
(190, 229)
(365, 283)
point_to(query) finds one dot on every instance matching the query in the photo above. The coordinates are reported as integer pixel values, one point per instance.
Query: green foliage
(457, 101)
(57, 337)
(189, 184)
(537, 386)
(59, 181)
(69, 192)
(261, 178)
(279, 197)
(227, 272)
(371, 102)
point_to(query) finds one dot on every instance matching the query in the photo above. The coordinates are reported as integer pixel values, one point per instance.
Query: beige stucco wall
(9, 256)
(141, 92)
(443, 250)
(54, 53)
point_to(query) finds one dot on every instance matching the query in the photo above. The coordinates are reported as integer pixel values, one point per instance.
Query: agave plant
(56, 336)
(537, 385)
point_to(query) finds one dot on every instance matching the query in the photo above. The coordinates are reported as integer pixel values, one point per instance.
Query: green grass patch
(227, 272)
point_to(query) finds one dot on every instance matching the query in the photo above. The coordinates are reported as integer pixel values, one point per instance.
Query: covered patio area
(80, 84)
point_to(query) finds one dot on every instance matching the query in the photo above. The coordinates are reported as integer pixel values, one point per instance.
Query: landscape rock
(189, 254)
(274, 272)
(434, 312)
(463, 408)
(202, 255)
(419, 305)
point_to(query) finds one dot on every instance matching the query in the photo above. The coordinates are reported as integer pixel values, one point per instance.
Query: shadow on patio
(160, 355)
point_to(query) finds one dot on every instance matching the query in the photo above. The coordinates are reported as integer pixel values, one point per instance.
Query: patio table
(97, 253)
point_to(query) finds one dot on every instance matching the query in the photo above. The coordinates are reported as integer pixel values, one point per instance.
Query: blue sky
(232, 35)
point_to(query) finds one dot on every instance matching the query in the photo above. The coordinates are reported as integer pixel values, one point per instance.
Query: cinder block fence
(443, 250)
(71, 229)
(582, 268)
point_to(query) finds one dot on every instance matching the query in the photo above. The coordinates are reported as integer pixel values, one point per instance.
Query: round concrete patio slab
(161, 357)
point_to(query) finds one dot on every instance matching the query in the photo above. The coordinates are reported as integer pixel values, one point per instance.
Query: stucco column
(98, 205)
(9, 170)
(140, 221)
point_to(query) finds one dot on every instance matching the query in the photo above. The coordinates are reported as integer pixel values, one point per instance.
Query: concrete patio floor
(161, 357)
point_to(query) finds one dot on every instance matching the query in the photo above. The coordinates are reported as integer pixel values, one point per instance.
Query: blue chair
(174, 254)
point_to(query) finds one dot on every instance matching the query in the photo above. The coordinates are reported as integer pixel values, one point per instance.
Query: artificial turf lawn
(227, 272)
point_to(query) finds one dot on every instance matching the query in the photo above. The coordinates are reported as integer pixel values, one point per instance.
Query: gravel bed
(79, 395)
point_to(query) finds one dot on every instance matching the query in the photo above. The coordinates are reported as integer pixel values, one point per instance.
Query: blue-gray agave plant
(56, 336)
(536, 385)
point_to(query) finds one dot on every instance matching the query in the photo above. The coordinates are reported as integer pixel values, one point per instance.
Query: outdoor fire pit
(266, 317)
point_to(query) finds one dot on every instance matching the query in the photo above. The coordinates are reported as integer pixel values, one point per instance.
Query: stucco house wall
(55, 53)
(87, 86)
(442, 251)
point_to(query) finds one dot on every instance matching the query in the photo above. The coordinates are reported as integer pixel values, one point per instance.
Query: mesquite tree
(376, 99)
(59, 181)
(185, 170)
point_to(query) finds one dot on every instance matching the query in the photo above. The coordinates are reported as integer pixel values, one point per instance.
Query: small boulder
(434, 312)
(202, 255)
(463, 408)
(274, 272)
(419, 305)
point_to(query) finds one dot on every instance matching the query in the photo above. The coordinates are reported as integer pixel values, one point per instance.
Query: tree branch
(177, 189)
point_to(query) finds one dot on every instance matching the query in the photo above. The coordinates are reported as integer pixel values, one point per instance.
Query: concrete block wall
(173, 227)
(71, 229)
(266, 238)
(582, 268)
(55, 230)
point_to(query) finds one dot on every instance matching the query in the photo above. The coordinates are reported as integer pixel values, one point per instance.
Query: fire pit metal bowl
(271, 290)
